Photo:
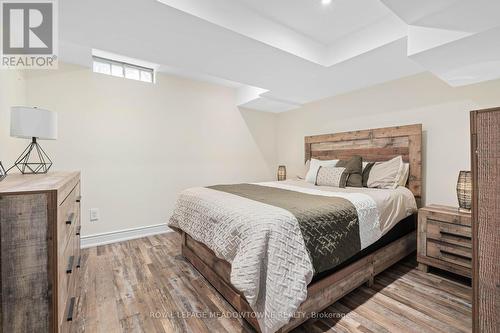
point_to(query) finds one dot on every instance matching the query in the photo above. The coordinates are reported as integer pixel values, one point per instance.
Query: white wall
(139, 144)
(12, 92)
(443, 111)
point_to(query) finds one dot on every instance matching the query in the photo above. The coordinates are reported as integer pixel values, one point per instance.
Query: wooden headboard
(374, 145)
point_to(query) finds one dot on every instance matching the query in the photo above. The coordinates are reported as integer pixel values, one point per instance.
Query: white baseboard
(123, 235)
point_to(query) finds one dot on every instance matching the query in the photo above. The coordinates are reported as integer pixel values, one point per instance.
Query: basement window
(122, 69)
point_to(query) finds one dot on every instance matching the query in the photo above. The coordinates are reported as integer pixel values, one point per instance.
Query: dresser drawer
(67, 272)
(449, 233)
(454, 254)
(68, 306)
(67, 218)
(66, 325)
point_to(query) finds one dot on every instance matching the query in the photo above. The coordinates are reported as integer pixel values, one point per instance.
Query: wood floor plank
(461, 290)
(361, 322)
(421, 320)
(436, 294)
(145, 285)
(380, 314)
(423, 305)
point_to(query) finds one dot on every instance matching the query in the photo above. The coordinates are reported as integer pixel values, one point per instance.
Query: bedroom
(150, 98)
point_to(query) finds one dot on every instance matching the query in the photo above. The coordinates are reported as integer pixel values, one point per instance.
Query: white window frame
(123, 66)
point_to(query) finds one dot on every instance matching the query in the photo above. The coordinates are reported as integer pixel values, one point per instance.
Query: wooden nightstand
(444, 239)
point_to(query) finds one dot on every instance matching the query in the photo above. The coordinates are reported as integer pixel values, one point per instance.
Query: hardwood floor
(145, 285)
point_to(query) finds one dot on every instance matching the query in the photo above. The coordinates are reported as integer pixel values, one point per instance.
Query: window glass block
(117, 70)
(146, 76)
(102, 67)
(132, 73)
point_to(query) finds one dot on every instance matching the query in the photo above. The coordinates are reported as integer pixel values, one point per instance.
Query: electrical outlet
(94, 214)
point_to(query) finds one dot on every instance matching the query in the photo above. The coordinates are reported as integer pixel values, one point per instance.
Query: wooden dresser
(444, 239)
(40, 251)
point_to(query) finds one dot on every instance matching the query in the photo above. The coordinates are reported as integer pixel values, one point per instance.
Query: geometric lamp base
(33, 160)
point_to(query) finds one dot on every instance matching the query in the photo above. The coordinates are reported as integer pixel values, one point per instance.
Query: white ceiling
(324, 24)
(461, 15)
(284, 53)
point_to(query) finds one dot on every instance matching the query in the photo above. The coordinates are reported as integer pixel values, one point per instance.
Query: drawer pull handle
(70, 219)
(79, 198)
(451, 233)
(79, 262)
(446, 232)
(71, 307)
(69, 269)
(451, 254)
(78, 230)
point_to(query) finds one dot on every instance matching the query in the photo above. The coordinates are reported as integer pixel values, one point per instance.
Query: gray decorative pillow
(332, 176)
(354, 168)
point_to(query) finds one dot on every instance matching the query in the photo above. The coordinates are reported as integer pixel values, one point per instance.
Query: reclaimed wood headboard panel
(374, 145)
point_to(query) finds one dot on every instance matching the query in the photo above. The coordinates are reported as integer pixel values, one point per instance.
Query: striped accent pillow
(332, 176)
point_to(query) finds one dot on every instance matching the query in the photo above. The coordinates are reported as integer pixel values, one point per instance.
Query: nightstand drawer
(449, 233)
(457, 255)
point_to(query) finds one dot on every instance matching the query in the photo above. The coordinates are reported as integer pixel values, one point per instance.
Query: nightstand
(444, 239)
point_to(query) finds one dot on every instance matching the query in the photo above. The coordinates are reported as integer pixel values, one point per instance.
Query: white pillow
(314, 167)
(404, 175)
(386, 174)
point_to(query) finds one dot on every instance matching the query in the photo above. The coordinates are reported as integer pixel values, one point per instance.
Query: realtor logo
(29, 33)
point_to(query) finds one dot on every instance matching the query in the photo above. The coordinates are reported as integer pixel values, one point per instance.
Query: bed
(276, 272)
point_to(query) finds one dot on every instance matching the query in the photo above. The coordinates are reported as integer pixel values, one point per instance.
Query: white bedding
(269, 261)
(393, 204)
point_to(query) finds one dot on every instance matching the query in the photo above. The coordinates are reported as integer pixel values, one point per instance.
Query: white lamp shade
(27, 122)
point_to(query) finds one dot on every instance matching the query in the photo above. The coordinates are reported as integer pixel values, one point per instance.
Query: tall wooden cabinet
(485, 145)
(40, 251)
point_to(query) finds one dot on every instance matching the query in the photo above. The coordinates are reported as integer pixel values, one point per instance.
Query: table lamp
(281, 173)
(464, 191)
(33, 123)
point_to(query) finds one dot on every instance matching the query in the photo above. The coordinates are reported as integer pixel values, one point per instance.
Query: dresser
(444, 239)
(485, 157)
(40, 251)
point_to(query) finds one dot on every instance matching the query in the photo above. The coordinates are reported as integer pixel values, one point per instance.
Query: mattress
(278, 235)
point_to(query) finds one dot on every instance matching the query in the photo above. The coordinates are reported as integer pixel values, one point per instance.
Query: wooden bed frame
(373, 145)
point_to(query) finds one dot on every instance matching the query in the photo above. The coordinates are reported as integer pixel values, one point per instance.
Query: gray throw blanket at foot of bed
(329, 225)
(276, 236)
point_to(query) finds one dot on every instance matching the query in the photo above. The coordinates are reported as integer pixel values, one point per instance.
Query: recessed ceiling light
(326, 2)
